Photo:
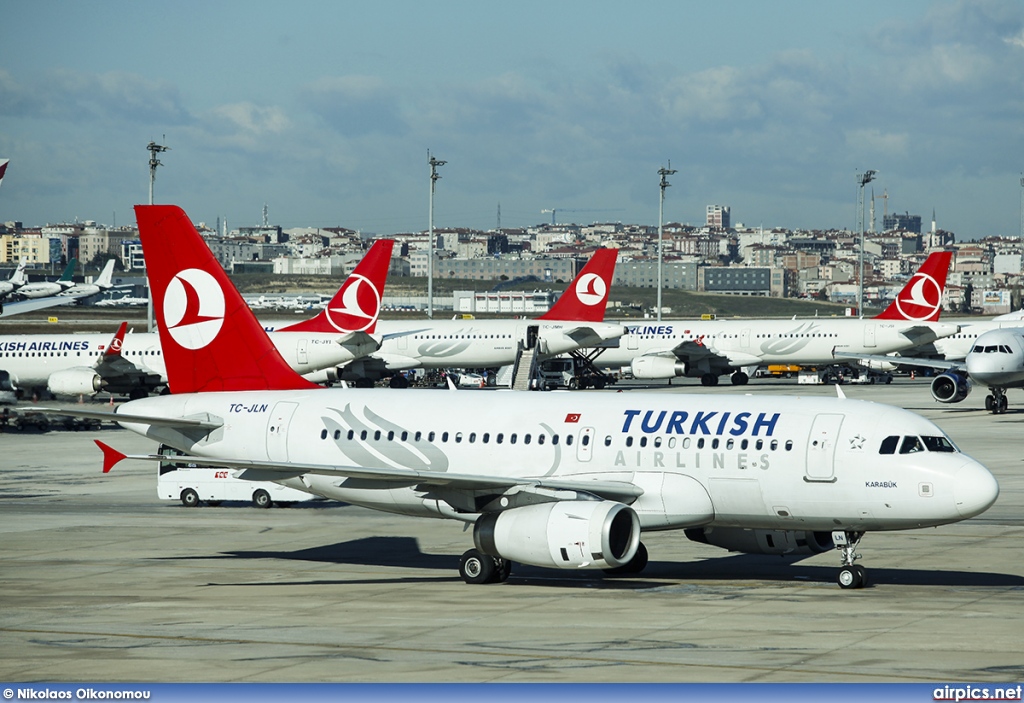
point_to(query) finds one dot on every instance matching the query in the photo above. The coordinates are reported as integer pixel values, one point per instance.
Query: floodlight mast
(862, 179)
(664, 173)
(153, 149)
(434, 177)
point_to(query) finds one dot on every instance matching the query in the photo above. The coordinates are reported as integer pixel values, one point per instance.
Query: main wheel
(189, 498)
(502, 571)
(740, 379)
(709, 379)
(475, 567)
(261, 499)
(398, 381)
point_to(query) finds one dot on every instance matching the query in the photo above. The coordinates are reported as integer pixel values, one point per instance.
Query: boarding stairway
(525, 368)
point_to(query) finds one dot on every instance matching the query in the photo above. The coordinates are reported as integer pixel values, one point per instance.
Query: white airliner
(708, 349)
(553, 480)
(574, 321)
(45, 289)
(72, 364)
(16, 281)
(996, 361)
(102, 283)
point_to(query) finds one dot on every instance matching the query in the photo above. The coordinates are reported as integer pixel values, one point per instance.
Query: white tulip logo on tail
(193, 308)
(360, 305)
(924, 299)
(590, 289)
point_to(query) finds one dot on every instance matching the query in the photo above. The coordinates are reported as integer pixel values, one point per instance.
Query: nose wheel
(997, 403)
(851, 575)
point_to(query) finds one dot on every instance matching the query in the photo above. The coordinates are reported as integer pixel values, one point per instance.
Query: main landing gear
(739, 378)
(996, 403)
(709, 379)
(477, 567)
(850, 575)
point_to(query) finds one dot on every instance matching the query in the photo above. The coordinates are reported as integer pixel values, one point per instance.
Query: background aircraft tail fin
(356, 305)
(210, 338)
(587, 296)
(117, 341)
(921, 299)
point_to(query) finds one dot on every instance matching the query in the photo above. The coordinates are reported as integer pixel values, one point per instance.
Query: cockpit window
(889, 445)
(1004, 349)
(910, 445)
(938, 444)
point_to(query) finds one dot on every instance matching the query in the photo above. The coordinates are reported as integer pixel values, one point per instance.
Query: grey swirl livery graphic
(424, 456)
(790, 345)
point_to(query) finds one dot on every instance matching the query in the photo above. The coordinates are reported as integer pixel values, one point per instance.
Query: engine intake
(777, 542)
(950, 387)
(574, 534)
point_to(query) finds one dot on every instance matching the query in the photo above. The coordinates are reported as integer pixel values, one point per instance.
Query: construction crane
(559, 209)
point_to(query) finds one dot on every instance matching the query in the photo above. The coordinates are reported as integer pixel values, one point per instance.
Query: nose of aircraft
(974, 489)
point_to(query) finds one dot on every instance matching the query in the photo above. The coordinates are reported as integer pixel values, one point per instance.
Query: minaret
(871, 227)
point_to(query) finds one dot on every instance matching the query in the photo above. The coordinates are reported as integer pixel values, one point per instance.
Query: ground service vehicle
(193, 484)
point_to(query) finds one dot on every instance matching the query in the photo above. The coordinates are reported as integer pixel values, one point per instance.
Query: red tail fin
(587, 296)
(356, 305)
(921, 299)
(114, 348)
(211, 341)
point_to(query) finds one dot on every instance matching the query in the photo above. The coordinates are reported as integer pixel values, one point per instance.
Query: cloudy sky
(325, 111)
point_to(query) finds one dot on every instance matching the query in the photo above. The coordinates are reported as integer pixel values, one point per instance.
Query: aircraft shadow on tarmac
(405, 553)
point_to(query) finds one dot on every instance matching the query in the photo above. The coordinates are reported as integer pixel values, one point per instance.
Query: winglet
(586, 297)
(3, 168)
(356, 306)
(114, 348)
(921, 299)
(111, 456)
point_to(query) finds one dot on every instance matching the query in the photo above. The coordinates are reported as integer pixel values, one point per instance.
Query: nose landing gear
(851, 575)
(996, 403)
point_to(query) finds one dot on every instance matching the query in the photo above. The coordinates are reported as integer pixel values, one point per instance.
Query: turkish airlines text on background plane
(545, 479)
(708, 349)
(74, 364)
(574, 321)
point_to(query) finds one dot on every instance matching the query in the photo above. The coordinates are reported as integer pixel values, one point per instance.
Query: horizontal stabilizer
(111, 456)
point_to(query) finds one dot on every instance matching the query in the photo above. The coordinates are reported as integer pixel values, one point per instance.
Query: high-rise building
(719, 216)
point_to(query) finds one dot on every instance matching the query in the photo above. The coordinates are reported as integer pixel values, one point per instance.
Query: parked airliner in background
(552, 480)
(45, 289)
(73, 365)
(103, 282)
(16, 281)
(996, 361)
(574, 321)
(708, 349)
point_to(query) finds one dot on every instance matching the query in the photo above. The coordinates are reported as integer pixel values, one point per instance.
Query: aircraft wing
(920, 334)
(23, 306)
(905, 361)
(269, 470)
(585, 336)
(179, 422)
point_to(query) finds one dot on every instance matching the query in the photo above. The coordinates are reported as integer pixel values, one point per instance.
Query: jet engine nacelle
(657, 367)
(950, 387)
(74, 382)
(778, 542)
(571, 534)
